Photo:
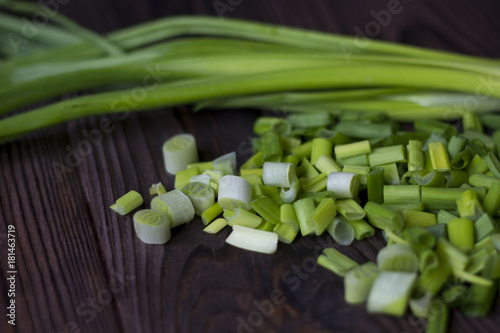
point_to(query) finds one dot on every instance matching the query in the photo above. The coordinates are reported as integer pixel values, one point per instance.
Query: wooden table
(80, 267)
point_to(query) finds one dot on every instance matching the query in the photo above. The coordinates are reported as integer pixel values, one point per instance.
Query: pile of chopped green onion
(433, 193)
(213, 63)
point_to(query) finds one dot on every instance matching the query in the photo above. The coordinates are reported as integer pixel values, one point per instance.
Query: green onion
(253, 240)
(179, 151)
(266, 208)
(445, 198)
(286, 233)
(304, 209)
(477, 165)
(278, 174)
(415, 218)
(256, 172)
(341, 231)
(420, 306)
(358, 282)
(386, 155)
(264, 124)
(183, 177)
(480, 180)
(336, 262)
(361, 171)
(344, 185)
(419, 238)
(491, 202)
(326, 164)
(461, 233)
(272, 151)
(127, 203)
(444, 216)
(289, 196)
(471, 122)
(253, 162)
(211, 213)
(244, 218)
(391, 174)
(353, 149)
(431, 179)
(319, 148)
(359, 130)
(456, 145)
(215, 226)
(303, 151)
(306, 170)
(266, 226)
(354, 160)
(469, 206)
(484, 227)
(152, 227)
(398, 257)
(383, 218)
(375, 185)
(415, 156)
(323, 215)
(493, 164)
(225, 164)
(201, 195)
(176, 206)
(360, 227)
(315, 184)
(157, 189)
(234, 192)
(439, 156)
(390, 293)
(401, 194)
(311, 120)
(438, 318)
(350, 209)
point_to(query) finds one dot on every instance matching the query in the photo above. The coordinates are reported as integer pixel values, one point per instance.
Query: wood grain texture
(80, 266)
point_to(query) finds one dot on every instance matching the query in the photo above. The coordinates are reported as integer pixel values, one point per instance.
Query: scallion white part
(179, 151)
(278, 174)
(390, 293)
(204, 179)
(152, 227)
(201, 195)
(226, 163)
(176, 205)
(253, 240)
(344, 185)
(289, 196)
(358, 282)
(234, 192)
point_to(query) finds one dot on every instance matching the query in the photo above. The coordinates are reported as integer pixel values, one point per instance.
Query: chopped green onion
(453, 255)
(288, 143)
(306, 170)
(278, 174)
(444, 216)
(360, 227)
(157, 189)
(429, 179)
(127, 203)
(253, 162)
(341, 231)
(421, 219)
(438, 318)
(419, 238)
(360, 170)
(353, 149)
(215, 226)
(179, 151)
(266, 226)
(439, 157)
(183, 177)
(415, 156)
(234, 192)
(456, 145)
(204, 179)
(225, 164)
(201, 195)
(355, 129)
(493, 164)
(420, 306)
(211, 213)
(256, 171)
(461, 233)
(398, 257)
(266, 208)
(289, 196)
(477, 165)
(304, 209)
(391, 174)
(326, 164)
(315, 184)
(456, 178)
(354, 160)
(390, 293)
(383, 218)
(264, 124)
(469, 206)
(286, 233)
(336, 262)
(418, 206)
(272, 151)
(244, 218)
(176, 205)
(484, 227)
(303, 151)
(461, 160)
(430, 126)
(481, 180)
(375, 185)
(323, 215)
(344, 185)
(358, 282)
(386, 155)
(253, 240)
(152, 227)
(445, 198)
(201, 166)
(491, 202)
(319, 148)
(471, 122)
(350, 209)
(401, 194)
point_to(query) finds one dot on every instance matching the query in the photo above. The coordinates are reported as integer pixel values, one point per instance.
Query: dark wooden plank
(81, 268)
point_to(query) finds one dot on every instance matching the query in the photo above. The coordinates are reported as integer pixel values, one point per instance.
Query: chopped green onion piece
(306, 170)
(201, 195)
(326, 164)
(341, 231)
(344, 185)
(264, 124)
(401, 194)
(201, 166)
(288, 143)
(485, 140)
(272, 151)
(157, 189)
(253, 240)
(234, 192)
(204, 179)
(354, 160)
(286, 233)
(438, 318)
(350, 209)
(183, 177)
(455, 295)
(415, 218)
(479, 179)
(303, 210)
(461, 160)
(375, 185)
(391, 174)
(127, 203)
(253, 162)
(432, 278)
(360, 227)
(390, 293)
(315, 184)
(415, 156)
(491, 202)
(418, 206)
(244, 218)
(477, 165)
(322, 216)
(278, 174)
(291, 159)
(360, 170)
(226, 164)
(176, 205)
(471, 122)
(336, 262)
(445, 198)
(439, 157)
(451, 254)
(456, 145)
(152, 227)
(428, 261)
(252, 179)
(386, 155)
(420, 306)
(456, 178)
(266, 226)
(266, 208)
(461, 233)
(211, 213)
(289, 196)
(355, 129)
(398, 257)
(179, 151)
(493, 164)
(319, 148)
(392, 238)
(383, 218)
(353, 149)
(419, 238)
(303, 151)
(484, 227)
(257, 172)
(429, 179)
(469, 206)
(444, 216)
(215, 226)
(358, 282)
(430, 126)
(288, 216)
